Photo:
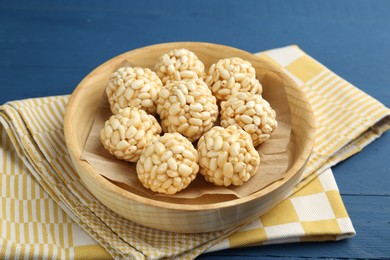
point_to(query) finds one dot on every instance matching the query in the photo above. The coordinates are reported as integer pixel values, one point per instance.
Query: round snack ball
(168, 164)
(252, 113)
(133, 87)
(227, 156)
(232, 75)
(179, 64)
(187, 107)
(126, 133)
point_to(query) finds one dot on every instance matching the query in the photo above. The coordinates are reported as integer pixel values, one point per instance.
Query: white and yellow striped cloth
(46, 212)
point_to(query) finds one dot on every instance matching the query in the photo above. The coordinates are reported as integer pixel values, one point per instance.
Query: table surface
(47, 47)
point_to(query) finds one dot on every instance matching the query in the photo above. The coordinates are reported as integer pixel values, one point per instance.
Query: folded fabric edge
(361, 141)
(204, 247)
(362, 135)
(8, 117)
(350, 149)
(340, 228)
(288, 240)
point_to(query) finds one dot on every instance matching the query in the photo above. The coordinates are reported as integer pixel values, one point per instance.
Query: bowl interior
(85, 100)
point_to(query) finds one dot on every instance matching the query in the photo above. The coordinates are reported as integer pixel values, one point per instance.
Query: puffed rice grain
(252, 113)
(174, 168)
(179, 64)
(227, 156)
(136, 87)
(125, 134)
(232, 75)
(187, 107)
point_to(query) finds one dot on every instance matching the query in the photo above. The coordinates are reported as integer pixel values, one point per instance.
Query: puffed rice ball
(168, 164)
(136, 87)
(227, 156)
(126, 133)
(251, 112)
(179, 64)
(232, 75)
(187, 107)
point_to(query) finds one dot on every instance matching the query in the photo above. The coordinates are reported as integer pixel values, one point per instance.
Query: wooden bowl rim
(75, 153)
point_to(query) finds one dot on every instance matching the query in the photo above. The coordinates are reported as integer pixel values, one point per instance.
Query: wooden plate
(174, 215)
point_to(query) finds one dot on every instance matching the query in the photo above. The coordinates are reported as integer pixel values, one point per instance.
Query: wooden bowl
(177, 215)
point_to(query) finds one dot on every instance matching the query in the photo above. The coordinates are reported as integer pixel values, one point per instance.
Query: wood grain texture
(47, 47)
(200, 215)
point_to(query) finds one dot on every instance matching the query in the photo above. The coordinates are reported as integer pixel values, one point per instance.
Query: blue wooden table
(47, 47)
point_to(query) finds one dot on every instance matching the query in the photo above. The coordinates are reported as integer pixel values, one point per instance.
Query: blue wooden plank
(29, 81)
(330, 32)
(47, 47)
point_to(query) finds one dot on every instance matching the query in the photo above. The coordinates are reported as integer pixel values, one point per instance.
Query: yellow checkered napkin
(47, 212)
